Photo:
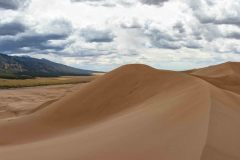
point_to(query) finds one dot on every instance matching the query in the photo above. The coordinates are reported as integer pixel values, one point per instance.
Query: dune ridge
(136, 112)
(225, 76)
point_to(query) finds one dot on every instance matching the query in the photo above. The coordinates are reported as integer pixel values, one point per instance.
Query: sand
(225, 76)
(134, 113)
(19, 102)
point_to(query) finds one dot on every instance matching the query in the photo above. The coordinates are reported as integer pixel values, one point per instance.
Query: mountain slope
(27, 67)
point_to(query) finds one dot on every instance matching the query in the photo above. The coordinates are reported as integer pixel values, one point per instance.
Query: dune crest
(225, 76)
(135, 112)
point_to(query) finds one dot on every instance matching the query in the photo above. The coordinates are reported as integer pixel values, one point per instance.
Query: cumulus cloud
(171, 38)
(114, 32)
(16, 37)
(234, 35)
(113, 3)
(132, 23)
(105, 3)
(192, 44)
(179, 27)
(60, 26)
(153, 2)
(95, 35)
(13, 4)
(11, 28)
(216, 12)
(29, 42)
(85, 0)
(161, 39)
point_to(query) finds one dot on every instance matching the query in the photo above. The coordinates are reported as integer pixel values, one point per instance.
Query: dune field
(134, 112)
(18, 102)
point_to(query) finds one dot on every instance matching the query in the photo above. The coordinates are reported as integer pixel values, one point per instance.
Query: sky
(105, 34)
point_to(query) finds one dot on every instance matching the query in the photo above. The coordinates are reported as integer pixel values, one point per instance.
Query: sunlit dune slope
(133, 112)
(226, 75)
(223, 141)
(124, 88)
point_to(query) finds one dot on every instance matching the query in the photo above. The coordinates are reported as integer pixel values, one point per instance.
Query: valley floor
(44, 81)
(18, 102)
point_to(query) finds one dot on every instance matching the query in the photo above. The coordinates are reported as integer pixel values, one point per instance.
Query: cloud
(162, 38)
(86, 0)
(164, 44)
(105, 3)
(112, 3)
(13, 4)
(12, 28)
(231, 20)
(216, 12)
(193, 44)
(60, 26)
(110, 32)
(44, 38)
(29, 43)
(153, 2)
(234, 35)
(99, 36)
(132, 23)
(179, 27)
(177, 36)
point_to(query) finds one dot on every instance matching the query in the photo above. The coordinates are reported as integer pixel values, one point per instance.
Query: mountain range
(16, 67)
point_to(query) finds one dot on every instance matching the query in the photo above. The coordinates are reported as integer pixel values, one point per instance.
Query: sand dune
(225, 76)
(135, 113)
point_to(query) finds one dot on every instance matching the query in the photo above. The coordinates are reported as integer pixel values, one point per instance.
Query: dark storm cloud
(205, 19)
(99, 36)
(16, 37)
(233, 35)
(12, 28)
(13, 4)
(31, 41)
(229, 20)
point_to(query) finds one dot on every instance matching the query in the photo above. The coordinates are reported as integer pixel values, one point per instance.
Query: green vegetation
(18, 83)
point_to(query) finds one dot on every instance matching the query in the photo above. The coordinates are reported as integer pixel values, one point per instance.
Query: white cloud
(174, 34)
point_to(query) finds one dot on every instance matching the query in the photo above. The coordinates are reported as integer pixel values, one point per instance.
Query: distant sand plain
(18, 102)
